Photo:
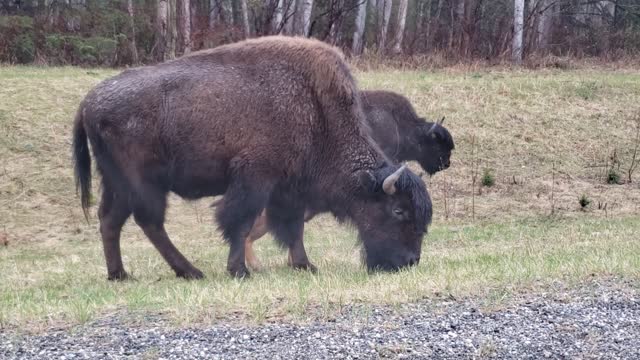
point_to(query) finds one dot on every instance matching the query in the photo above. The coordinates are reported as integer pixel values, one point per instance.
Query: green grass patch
(65, 281)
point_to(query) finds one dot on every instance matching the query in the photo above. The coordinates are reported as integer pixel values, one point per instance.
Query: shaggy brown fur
(401, 134)
(273, 123)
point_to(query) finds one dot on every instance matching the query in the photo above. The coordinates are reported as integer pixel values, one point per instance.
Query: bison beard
(273, 123)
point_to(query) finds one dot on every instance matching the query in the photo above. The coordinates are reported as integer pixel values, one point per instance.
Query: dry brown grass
(441, 61)
(523, 122)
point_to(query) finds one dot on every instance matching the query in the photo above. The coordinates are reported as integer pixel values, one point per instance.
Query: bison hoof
(239, 273)
(307, 267)
(192, 274)
(120, 275)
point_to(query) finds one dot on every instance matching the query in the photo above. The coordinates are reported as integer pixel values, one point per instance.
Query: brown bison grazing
(273, 123)
(402, 136)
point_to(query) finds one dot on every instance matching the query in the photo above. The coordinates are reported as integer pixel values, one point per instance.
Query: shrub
(584, 201)
(613, 177)
(76, 50)
(16, 42)
(488, 179)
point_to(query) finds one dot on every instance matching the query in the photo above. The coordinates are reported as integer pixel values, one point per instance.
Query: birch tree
(161, 30)
(400, 24)
(245, 18)
(384, 14)
(132, 26)
(518, 29)
(277, 17)
(358, 35)
(304, 19)
(185, 25)
(172, 31)
(289, 14)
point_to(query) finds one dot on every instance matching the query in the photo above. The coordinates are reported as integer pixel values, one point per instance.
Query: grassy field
(547, 138)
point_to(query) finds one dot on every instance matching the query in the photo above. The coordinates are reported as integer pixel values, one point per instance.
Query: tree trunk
(245, 18)
(608, 11)
(335, 31)
(518, 27)
(194, 13)
(185, 25)
(424, 8)
(226, 12)
(400, 24)
(172, 30)
(384, 13)
(457, 19)
(545, 24)
(290, 16)
(452, 27)
(161, 30)
(467, 26)
(277, 18)
(358, 35)
(214, 13)
(304, 19)
(438, 20)
(132, 25)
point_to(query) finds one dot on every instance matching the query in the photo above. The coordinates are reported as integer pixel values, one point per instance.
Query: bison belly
(186, 131)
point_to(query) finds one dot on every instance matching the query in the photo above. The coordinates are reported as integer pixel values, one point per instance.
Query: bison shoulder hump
(324, 65)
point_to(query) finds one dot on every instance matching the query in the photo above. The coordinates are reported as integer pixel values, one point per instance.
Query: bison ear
(367, 181)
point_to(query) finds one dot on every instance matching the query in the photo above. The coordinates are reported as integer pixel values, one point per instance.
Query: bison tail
(82, 164)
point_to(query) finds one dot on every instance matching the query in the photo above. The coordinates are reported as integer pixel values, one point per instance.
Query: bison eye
(398, 211)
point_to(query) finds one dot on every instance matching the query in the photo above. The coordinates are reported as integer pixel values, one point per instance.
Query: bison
(273, 123)
(401, 135)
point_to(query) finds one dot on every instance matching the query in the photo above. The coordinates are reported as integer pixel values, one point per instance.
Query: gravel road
(595, 321)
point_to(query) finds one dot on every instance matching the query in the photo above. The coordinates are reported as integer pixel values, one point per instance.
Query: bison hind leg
(286, 222)
(113, 213)
(243, 201)
(258, 230)
(149, 205)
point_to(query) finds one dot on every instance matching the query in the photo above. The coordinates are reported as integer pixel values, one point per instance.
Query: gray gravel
(594, 321)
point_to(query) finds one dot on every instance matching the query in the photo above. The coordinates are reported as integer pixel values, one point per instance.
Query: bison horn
(441, 121)
(389, 184)
(431, 129)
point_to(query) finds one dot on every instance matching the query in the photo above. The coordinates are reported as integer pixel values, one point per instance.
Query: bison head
(392, 217)
(435, 145)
